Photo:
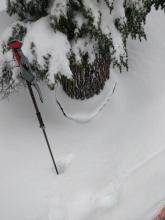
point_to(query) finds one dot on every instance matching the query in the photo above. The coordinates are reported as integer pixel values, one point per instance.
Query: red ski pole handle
(15, 46)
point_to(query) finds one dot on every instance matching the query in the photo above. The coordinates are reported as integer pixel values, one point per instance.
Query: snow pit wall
(88, 79)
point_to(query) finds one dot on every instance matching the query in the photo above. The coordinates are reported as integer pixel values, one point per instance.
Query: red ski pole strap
(16, 45)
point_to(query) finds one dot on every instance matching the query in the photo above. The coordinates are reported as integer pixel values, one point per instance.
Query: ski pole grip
(40, 120)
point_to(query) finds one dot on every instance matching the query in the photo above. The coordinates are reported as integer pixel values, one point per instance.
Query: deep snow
(113, 165)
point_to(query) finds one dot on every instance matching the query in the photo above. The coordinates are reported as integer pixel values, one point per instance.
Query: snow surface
(111, 167)
(3, 4)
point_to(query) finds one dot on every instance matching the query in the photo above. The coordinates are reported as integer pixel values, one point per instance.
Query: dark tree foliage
(28, 10)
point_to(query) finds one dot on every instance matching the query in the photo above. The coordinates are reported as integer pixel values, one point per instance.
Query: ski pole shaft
(50, 151)
(42, 126)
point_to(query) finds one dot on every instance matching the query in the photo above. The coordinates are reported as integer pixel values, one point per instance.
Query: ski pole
(27, 75)
(42, 126)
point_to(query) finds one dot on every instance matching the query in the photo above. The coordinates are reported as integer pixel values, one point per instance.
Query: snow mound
(84, 205)
(108, 198)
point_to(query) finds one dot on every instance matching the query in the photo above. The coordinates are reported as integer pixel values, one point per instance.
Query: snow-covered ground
(113, 165)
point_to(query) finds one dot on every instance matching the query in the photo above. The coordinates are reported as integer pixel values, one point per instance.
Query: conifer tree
(78, 40)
